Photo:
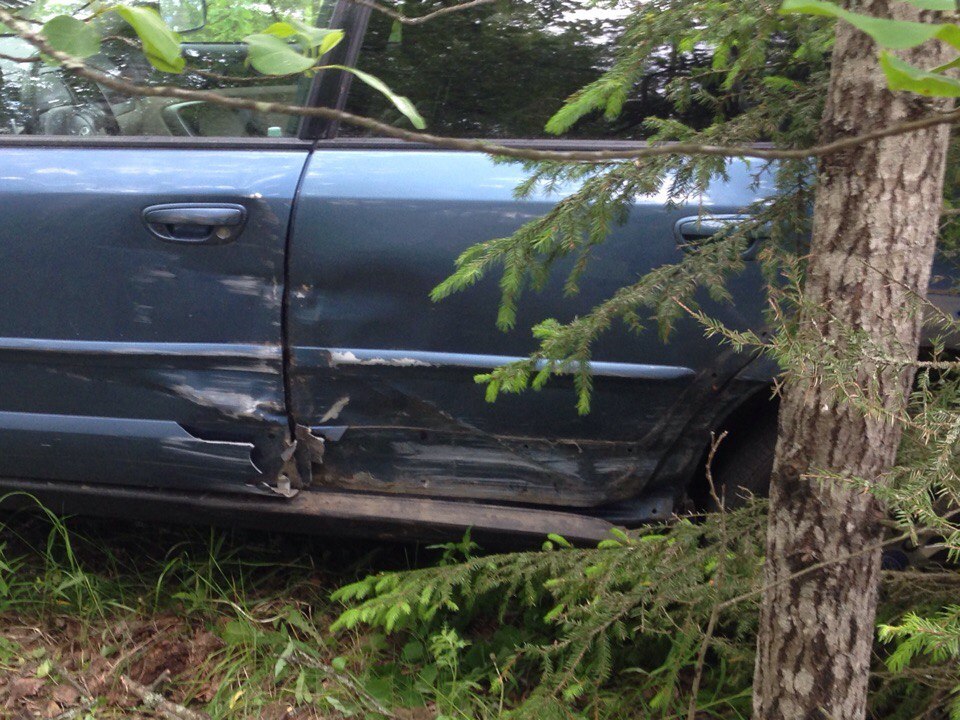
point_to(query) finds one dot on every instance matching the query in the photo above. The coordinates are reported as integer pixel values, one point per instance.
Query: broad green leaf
(891, 34)
(402, 103)
(280, 30)
(904, 76)
(72, 36)
(160, 44)
(272, 56)
(329, 41)
(396, 33)
(314, 37)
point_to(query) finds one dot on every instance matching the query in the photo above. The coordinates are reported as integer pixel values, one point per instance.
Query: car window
(41, 99)
(495, 71)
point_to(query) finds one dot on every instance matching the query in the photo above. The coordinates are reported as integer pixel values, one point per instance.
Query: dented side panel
(392, 372)
(125, 359)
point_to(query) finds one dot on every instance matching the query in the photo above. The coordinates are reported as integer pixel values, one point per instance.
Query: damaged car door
(142, 265)
(382, 379)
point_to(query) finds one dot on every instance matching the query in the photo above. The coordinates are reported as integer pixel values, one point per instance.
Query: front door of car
(142, 270)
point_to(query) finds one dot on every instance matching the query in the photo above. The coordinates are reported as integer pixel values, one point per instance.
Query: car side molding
(314, 511)
(337, 357)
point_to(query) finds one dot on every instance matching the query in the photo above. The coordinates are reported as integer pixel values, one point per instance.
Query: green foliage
(273, 56)
(887, 33)
(400, 102)
(633, 611)
(284, 47)
(74, 37)
(271, 53)
(890, 34)
(935, 638)
(161, 45)
(764, 83)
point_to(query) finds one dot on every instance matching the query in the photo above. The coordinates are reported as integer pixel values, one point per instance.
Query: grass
(234, 623)
(237, 624)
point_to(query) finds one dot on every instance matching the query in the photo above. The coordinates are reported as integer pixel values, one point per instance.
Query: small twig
(302, 658)
(158, 703)
(865, 550)
(718, 499)
(419, 20)
(159, 680)
(133, 652)
(71, 680)
(717, 578)
(75, 712)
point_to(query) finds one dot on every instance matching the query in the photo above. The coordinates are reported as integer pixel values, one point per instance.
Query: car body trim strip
(140, 349)
(338, 357)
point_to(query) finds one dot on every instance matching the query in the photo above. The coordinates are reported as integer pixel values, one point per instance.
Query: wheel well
(740, 427)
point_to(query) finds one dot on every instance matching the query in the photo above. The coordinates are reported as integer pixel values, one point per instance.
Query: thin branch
(77, 66)
(15, 59)
(156, 701)
(301, 658)
(717, 578)
(865, 550)
(419, 20)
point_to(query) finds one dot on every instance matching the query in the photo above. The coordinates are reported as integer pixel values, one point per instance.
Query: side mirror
(184, 15)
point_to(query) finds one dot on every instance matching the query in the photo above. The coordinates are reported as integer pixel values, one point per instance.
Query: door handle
(691, 232)
(196, 223)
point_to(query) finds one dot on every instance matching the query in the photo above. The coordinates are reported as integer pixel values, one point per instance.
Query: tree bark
(874, 229)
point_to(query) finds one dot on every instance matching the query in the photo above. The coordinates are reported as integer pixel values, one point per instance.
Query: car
(224, 316)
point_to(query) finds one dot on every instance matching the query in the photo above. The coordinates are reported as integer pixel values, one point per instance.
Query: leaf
(160, 44)
(330, 40)
(944, 5)
(396, 33)
(71, 36)
(272, 56)
(280, 29)
(402, 103)
(947, 66)
(314, 37)
(904, 76)
(891, 34)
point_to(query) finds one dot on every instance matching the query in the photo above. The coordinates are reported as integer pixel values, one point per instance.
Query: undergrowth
(657, 623)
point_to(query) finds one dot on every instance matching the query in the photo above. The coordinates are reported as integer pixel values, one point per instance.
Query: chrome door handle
(691, 232)
(195, 223)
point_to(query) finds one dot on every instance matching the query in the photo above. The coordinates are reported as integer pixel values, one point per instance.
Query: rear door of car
(142, 269)
(385, 376)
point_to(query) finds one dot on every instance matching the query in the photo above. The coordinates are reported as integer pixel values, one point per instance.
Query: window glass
(495, 71)
(46, 100)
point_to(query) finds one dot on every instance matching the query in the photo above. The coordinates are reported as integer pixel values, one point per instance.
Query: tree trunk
(874, 229)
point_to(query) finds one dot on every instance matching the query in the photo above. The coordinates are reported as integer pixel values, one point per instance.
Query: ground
(102, 620)
(231, 622)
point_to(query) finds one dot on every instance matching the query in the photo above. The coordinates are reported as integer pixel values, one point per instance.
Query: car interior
(42, 99)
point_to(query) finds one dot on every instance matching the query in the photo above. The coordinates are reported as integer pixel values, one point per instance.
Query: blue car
(220, 315)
